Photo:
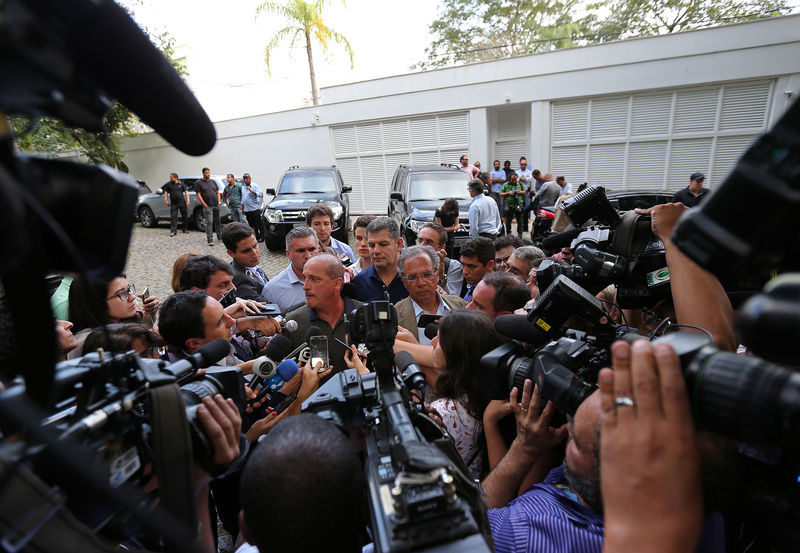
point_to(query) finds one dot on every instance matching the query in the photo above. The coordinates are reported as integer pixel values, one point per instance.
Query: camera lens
(194, 392)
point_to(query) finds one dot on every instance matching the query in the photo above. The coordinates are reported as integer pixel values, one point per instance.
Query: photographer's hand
(534, 436)
(223, 425)
(533, 429)
(649, 455)
(663, 218)
(268, 326)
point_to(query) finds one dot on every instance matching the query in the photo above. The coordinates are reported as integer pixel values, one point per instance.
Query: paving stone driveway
(152, 253)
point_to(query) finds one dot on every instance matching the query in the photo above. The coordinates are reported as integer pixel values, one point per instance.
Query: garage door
(656, 140)
(367, 154)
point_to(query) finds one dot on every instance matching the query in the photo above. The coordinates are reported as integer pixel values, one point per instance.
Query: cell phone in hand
(426, 318)
(146, 293)
(319, 352)
(228, 298)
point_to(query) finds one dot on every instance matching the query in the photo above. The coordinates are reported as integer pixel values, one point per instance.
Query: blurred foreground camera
(420, 496)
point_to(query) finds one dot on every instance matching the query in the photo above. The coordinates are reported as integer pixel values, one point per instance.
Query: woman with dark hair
(123, 337)
(447, 216)
(464, 337)
(96, 302)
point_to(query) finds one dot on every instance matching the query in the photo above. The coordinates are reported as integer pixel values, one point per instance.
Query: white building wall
(267, 144)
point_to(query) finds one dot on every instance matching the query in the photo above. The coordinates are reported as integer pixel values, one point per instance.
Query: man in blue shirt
(484, 218)
(497, 177)
(385, 243)
(251, 202)
(286, 288)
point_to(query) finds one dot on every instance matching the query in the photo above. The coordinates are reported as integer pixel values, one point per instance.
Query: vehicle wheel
(199, 220)
(274, 244)
(147, 218)
(341, 234)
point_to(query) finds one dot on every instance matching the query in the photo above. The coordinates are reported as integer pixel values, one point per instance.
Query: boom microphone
(205, 356)
(561, 239)
(110, 52)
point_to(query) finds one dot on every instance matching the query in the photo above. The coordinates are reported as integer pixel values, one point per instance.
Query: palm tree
(305, 20)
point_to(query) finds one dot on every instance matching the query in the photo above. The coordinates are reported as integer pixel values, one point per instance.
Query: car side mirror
(346, 189)
(396, 196)
(159, 191)
(271, 191)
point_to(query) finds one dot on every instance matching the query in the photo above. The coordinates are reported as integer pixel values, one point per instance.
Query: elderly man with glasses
(419, 269)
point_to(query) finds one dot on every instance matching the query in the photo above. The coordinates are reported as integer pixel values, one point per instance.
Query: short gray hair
(299, 233)
(416, 251)
(529, 253)
(384, 223)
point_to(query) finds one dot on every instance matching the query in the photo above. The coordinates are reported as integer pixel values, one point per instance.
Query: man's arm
(197, 192)
(223, 425)
(473, 220)
(534, 437)
(698, 296)
(166, 197)
(186, 195)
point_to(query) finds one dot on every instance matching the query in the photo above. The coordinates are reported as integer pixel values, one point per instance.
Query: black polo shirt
(687, 198)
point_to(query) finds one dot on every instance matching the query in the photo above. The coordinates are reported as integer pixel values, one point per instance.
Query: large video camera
(614, 249)
(421, 497)
(754, 402)
(69, 59)
(132, 416)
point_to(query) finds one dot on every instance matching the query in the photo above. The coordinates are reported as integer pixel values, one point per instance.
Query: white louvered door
(656, 140)
(368, 153)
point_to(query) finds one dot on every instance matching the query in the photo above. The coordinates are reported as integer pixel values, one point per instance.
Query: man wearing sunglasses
(419, 269)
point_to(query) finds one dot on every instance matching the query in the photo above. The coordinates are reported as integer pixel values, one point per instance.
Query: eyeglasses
(413, 278)
(124, 295)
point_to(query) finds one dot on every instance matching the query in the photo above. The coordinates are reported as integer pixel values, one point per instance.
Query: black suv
(299, 189)
(418, 191)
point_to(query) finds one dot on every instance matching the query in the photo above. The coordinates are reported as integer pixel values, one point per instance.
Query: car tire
(147, 218)
(341, 234)
(199, 219)
(274, 244)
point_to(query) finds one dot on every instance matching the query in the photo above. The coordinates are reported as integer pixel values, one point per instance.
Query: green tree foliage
(478, 30)
(51, 136)
(629, 18)
(304, 22)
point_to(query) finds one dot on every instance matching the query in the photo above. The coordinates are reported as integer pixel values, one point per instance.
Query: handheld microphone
(431, 330)
(265, 365)
(289, 326)
(279, 375)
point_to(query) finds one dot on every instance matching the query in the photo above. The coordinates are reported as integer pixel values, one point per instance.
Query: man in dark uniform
(177, 198)
(209, 197)
(691, 195)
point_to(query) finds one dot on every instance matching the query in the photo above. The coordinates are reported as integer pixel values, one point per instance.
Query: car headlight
(274, 215)
(416, 225)
(337, 210)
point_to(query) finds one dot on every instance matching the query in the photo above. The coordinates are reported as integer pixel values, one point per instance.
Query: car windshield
(438, 186)
(308, 181)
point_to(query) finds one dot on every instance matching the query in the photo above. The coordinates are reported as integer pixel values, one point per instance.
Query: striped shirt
(547, 518)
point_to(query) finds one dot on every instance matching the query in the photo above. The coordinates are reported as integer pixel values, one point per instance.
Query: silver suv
(150, 208)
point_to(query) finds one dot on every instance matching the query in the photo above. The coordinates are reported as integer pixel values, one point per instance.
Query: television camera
(420, 496)
(752, 401)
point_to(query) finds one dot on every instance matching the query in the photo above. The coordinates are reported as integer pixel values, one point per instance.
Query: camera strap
(172, 453)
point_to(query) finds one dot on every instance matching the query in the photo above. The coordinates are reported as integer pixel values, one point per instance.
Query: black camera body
(420, 496)
(109, 404)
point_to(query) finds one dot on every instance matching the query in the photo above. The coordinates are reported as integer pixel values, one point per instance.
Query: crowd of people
(542, 480)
